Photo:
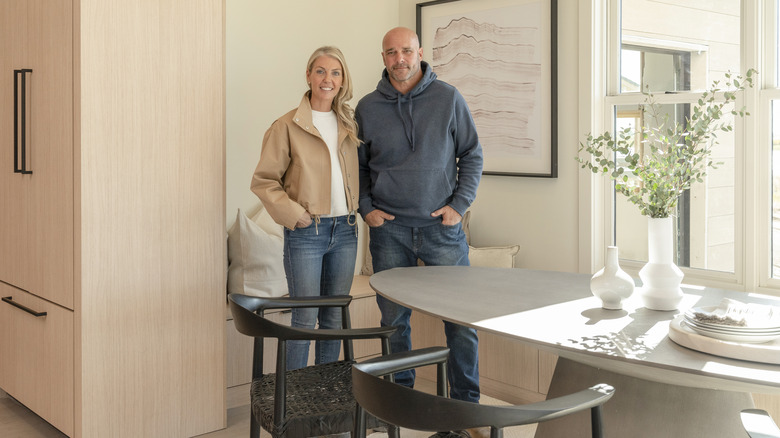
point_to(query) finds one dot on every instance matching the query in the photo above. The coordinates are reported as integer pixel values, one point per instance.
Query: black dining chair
(412, 409)
(312, 401)
(758, 424)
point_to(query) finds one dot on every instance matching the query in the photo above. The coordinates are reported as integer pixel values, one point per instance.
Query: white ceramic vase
(661, 278)
(611, 284)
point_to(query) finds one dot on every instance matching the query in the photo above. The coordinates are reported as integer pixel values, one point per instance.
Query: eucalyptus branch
(675, 156)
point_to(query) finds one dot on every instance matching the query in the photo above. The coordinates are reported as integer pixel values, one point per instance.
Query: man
(420, 166)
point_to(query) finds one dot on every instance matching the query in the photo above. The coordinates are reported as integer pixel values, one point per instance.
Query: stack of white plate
(753, 333)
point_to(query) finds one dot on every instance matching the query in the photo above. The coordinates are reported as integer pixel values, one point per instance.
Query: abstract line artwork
(498, 55)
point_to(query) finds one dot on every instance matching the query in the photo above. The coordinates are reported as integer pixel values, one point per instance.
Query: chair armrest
(758, 423)
(402, 361)
(295, 333)
(251, 323)
(564, 405)
(266, 303)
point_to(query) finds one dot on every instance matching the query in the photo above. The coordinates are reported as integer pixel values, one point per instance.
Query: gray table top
(556, 311)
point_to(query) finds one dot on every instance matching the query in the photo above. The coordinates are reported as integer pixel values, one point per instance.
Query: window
(675, 50)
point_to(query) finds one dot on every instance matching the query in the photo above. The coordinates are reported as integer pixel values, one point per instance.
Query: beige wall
(266, 58)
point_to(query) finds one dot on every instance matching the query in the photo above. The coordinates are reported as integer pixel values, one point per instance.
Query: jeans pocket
(379, 226)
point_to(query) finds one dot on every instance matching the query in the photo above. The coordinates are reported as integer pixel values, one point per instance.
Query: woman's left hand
(303, 221)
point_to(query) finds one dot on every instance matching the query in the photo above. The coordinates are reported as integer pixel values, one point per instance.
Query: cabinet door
(51, 150)
(14, 187)
(38, 212)
(36, 356)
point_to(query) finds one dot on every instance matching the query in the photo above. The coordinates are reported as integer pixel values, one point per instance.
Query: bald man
(420, 166)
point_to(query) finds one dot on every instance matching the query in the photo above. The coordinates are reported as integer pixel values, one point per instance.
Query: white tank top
(327, 125)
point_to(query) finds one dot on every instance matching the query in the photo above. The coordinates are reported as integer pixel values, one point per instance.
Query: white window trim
(597, 93)
(656, 43)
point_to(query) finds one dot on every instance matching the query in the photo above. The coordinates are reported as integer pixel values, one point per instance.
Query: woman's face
(325, 78)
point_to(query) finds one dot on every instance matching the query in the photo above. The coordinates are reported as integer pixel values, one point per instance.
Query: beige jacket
(293, 174)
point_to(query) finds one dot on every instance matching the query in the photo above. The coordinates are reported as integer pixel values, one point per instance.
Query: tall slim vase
(661, 278)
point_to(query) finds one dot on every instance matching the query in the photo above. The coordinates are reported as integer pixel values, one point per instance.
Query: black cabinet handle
(17, 73)
(20, 140)
(10, 300)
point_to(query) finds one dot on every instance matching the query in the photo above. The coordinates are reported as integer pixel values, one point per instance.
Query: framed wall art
(501, 56)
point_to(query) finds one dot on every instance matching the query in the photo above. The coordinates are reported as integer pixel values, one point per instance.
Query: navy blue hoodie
(420, 152)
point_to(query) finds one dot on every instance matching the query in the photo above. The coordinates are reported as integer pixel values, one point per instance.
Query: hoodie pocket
(412, 192)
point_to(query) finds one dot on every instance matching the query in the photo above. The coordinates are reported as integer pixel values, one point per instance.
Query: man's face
(401, 54)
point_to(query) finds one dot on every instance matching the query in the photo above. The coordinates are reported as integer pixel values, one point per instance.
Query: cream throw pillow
(494, 257)
(255, 256)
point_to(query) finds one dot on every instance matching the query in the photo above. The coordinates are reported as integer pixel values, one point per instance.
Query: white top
(328, 127)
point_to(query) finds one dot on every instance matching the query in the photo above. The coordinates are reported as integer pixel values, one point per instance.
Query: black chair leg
(393, 431)
(496, 432)
(595, 422)
(254, 427)
(359, 430)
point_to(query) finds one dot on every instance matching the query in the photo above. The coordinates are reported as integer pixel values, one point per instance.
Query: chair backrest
(249, 315)
(409, 408)
(248, 322)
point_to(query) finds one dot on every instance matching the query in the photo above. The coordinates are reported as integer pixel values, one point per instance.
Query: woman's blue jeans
(319, 260)
(394, 246)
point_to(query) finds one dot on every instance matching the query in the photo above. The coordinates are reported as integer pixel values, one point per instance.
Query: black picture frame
(501, 57)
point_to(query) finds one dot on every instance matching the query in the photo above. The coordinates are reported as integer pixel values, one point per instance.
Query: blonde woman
(307, 179)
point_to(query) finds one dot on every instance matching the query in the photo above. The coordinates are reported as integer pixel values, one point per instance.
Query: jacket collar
(303, 119)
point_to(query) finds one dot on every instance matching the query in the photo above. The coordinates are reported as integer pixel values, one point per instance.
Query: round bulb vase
(611, 284)
(661, 278)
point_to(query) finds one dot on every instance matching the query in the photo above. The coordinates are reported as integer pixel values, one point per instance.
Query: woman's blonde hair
(344, 112)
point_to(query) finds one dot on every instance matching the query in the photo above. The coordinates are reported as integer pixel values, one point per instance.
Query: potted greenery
(672, 158)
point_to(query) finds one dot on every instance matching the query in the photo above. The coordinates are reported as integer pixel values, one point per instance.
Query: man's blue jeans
(319, 260)
(394, 246)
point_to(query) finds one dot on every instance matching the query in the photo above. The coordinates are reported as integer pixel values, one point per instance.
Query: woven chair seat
(328, 406)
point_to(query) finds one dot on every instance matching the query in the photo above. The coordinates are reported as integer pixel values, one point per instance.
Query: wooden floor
(16, 421)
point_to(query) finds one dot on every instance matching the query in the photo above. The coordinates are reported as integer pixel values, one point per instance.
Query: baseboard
(508, 393)
(238, 396)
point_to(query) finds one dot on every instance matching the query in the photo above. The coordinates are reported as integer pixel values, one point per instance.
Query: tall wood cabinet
(112, 217)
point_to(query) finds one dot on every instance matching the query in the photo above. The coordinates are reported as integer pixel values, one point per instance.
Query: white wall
(266, 56)
(268, 44)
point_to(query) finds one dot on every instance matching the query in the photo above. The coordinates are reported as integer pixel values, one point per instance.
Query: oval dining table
(662, 389)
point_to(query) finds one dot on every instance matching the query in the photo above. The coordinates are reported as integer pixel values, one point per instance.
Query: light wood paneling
(151, 105)
(36, 357)
(50, 150)
(508, 361)
(124, 213)
(426, 332)
(364, 313)
(37, 239)
(14, 188)
(547, 363)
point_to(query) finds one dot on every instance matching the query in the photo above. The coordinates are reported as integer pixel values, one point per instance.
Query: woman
(307, 179)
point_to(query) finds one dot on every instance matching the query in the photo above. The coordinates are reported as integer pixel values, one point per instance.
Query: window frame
(753, 183)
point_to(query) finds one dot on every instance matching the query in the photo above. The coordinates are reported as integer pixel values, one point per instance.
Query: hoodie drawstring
(408, 128)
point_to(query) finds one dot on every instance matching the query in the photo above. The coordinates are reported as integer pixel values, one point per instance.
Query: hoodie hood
(405, 102)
